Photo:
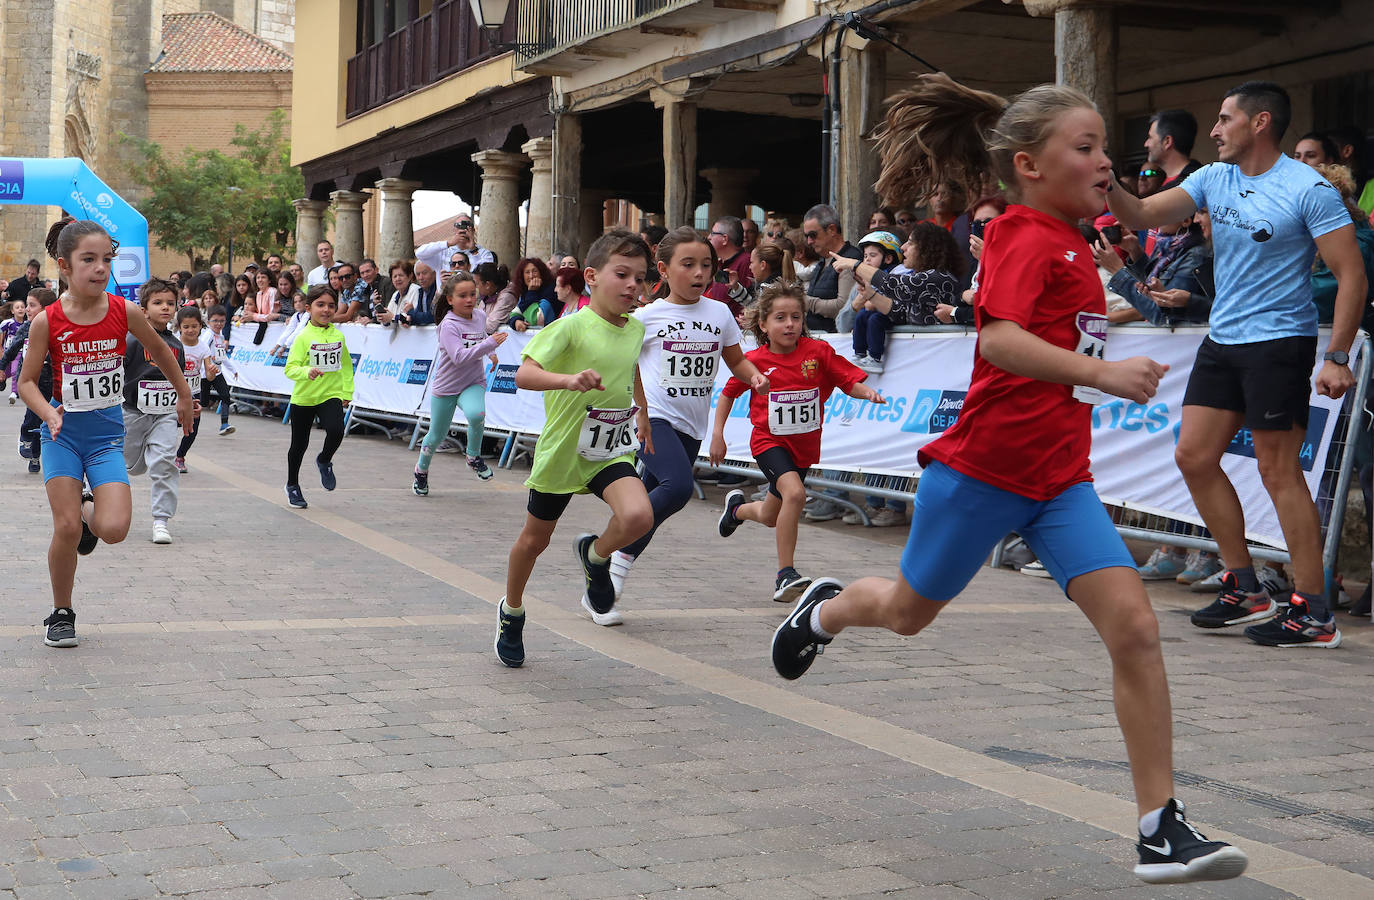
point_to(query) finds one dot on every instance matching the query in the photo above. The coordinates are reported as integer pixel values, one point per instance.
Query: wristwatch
(1339, 357)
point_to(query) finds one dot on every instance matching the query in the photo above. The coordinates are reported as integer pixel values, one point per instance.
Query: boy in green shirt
(585, 365)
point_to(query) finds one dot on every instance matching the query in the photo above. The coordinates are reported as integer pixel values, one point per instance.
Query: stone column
(863, 86)
(679, 160)
(397, 240)
(348, 224)
(309, 230)
(729, 191)
(591, 222)
(539, 224)
(1085, 45)
(567, 184)
(499, 228)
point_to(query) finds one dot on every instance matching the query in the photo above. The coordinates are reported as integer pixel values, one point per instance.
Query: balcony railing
(428, 48)
(546, 26)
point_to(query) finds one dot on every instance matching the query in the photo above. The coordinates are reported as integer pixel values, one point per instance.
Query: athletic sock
(1149, 823)
(593, 557)
(816, 628)
(1316, 605)
(1246, 580)
(511, 610)
(422, 465)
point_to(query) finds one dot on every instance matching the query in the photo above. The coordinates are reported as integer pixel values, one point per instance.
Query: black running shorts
(1269, 381)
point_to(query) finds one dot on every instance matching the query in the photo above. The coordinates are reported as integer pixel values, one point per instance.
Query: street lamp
(490, 16)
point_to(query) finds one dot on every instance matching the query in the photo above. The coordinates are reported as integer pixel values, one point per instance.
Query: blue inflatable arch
(70, 184)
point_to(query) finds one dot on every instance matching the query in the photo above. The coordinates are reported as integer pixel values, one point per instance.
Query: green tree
(200, 203)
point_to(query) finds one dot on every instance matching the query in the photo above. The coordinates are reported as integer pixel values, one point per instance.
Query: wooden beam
(665, 29)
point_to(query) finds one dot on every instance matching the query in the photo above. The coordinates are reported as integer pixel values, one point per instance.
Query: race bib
(1092, 341)
(472, 340)
(97, 384)
(155, 397)
(794, 412)
(327, 357)
(606, 434)
(194, 382)
(688, 364)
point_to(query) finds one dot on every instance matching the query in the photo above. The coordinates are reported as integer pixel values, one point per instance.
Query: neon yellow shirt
(585, 432)
(323, 349)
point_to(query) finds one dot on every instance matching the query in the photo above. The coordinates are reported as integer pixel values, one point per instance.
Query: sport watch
(1339, 357)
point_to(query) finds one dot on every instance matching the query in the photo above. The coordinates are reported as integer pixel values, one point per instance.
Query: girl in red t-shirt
(82, 434)
(802, 372)
(1017, 458)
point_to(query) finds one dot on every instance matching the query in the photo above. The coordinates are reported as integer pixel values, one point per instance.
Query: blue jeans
(667, 476)
(870, 333)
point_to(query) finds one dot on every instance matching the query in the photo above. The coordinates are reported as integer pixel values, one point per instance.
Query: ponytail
(67, 232)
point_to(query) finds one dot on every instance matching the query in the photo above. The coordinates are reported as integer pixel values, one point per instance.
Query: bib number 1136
(101, 385)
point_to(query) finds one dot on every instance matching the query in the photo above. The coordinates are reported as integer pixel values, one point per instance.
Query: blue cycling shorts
(89, 447)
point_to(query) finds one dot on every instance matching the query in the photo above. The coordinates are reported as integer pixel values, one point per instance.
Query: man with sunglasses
(436, 254)
(353, 294)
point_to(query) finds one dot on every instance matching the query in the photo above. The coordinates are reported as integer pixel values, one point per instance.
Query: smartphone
(1112, 233)
(977, 228)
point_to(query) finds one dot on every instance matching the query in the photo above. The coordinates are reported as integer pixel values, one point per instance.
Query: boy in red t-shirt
(802, 373)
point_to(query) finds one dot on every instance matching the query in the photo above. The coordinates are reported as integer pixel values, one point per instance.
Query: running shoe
(225, 428)
(61, 628)
(600, 591)
(1178, 853)
(160, 533)
(1201, 564)
(181, 464)
(1163, 565)
(728, 520)
(88, 538)
(35, 467)
(510, 646)
(327, 479)
(1036, 569)
(607, 619)
(620, 567)
(295, 497)
(421, 484)
(795, 645)
(1234, 606)
(25, 451)
(13, 397)
(1293, 627)
(790, 585)
(821, 511)
(479, 465)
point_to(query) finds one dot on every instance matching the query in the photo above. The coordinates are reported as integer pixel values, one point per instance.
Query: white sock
(162, 522)
(1149, 823)
(816, 628)
(512, 610)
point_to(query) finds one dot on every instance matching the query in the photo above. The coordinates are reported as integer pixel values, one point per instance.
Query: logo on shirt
(1070, 255)
(63, 336)
(810, 368)
(1262, 231)
(1245, 193)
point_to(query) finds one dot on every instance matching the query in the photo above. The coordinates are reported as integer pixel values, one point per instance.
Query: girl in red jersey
(802, 372)
(82, 434)
(1017, 458)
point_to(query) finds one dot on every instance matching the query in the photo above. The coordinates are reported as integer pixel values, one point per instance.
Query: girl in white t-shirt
(200, 369)
(686, 337)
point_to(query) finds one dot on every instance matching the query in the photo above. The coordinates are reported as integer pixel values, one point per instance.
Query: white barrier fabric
(925, 382)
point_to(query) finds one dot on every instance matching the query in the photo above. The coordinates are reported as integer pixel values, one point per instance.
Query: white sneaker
(160, 533)
(607, 618)
(620, 567)
(1036, 568)
(886, 518)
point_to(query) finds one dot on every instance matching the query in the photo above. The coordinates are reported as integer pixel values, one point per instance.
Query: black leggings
(222, 389)
(331, 416)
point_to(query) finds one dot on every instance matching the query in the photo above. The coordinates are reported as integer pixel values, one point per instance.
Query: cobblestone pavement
(306, 705)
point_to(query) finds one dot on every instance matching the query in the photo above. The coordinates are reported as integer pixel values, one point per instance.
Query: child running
(200, 369)
(150, 426)
(1017, 457)
(30, 446)
(9, 336)
(458, 381)
(217, 338)
(686, 337)
(585, 365)
(787, 418)
(320, 366)
(83, 429)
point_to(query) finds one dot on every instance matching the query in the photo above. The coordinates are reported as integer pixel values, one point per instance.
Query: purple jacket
(463, 345)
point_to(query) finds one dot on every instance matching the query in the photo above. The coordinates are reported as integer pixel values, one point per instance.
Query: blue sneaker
(327, 479)
(1163, 565)
(1201, 564)
(510, 644)
(600, 589)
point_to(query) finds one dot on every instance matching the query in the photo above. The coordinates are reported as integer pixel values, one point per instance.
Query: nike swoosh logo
(1272, 415)
(1163, 850)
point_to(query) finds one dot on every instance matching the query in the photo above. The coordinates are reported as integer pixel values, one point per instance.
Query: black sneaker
(510, 646)
(1177, 853)
(600, 589)
(421, 484)
(61, 628)
(88, 538)
(728, 520)
(795, 645)
(1293, 627)
(790, 585)
(35, 467)
(479, 465)
(327, 479)
(295, 497)
(1234, 606)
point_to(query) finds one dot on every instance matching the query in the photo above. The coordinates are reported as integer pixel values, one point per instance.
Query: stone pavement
(306, 705)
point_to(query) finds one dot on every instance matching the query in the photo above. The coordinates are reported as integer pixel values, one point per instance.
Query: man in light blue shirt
(1270, 215)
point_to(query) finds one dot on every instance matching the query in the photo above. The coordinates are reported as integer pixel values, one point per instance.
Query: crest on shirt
(809, 368)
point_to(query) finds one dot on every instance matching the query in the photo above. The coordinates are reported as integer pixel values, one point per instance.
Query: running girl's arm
(28, 376)
(533, 377)
(1012, 349)
(297, 363)
(646, 434)
(166, 361)
(744, 369)
(733, 388)
(451, 342)
(1164, 208)
(860, 391)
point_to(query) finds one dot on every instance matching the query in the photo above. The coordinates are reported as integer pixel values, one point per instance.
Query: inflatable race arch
(70, 184)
